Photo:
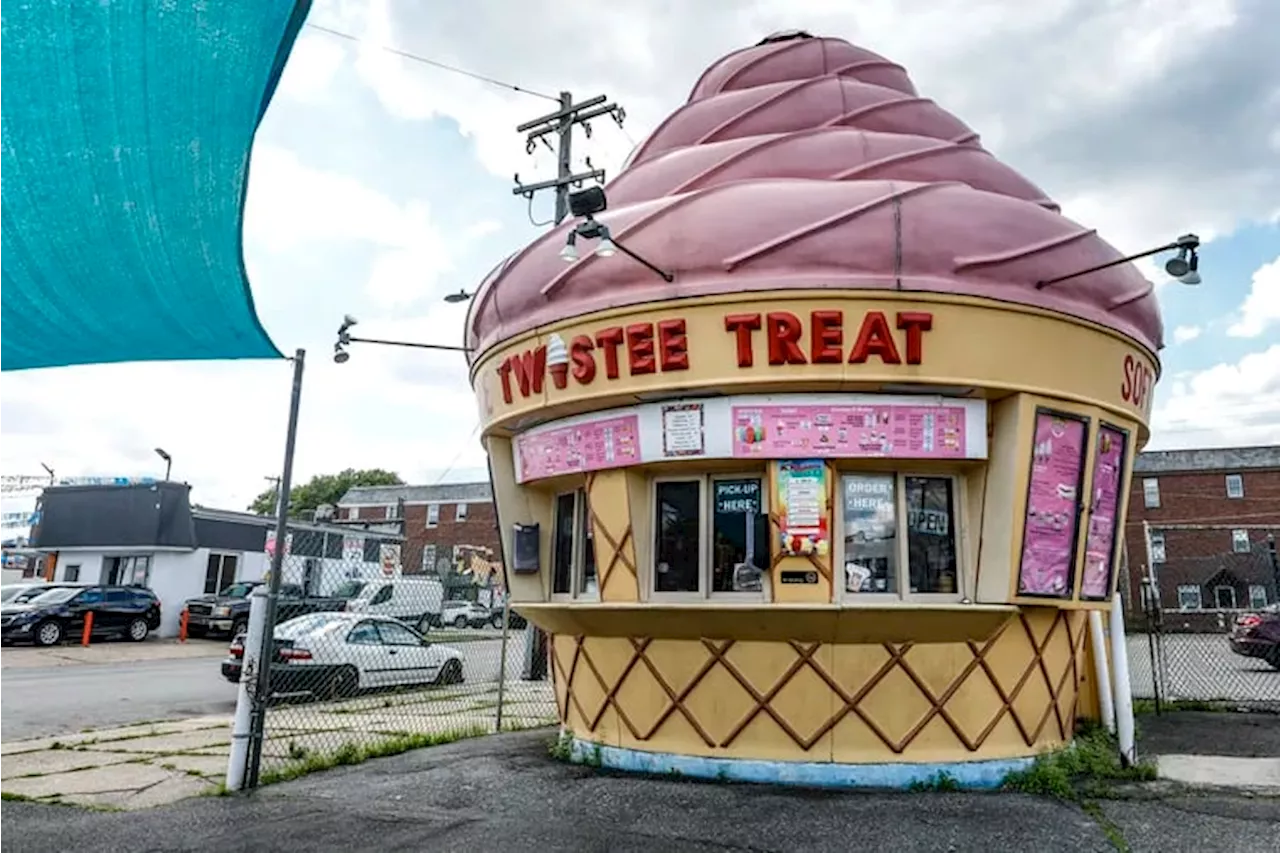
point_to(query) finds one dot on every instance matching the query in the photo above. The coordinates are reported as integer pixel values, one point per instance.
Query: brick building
(441, 523)
(1212, 516)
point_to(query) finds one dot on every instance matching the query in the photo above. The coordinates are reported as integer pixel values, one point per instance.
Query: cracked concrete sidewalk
(148, 764)
(31, 657)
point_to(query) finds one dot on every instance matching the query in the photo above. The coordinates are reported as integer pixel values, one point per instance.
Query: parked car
(411, 600)
(463, 614)
(331, 655)
(19, 593)
(518, 622)
(227, 612)
(1257, 635)
(131, 612)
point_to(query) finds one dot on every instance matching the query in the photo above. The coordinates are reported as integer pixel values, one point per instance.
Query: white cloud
(1182, 334)
(1261, 307)
(315, 59)
(1223, 405)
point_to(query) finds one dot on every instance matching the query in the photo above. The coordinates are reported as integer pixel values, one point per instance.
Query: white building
(149, 535)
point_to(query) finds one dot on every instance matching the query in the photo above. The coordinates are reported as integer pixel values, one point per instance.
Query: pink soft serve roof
(812, 164)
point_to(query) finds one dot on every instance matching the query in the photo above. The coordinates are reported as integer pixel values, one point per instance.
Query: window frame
(222, 557)
(1238, 480)
(1237, 539)
(1159, 546)
(429, 566)
(389, 513)
(1253, 599)
(577, 548)
(902, 551)
(69, 570)
(460, 511)
(1188, 588)
(433, 515)
(708, 534)
(1217, 604)
(1150, 488)
(704, 569)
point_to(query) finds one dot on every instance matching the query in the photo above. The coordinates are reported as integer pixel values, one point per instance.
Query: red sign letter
(530, 369)
(673, 345)
(640, 348)
(743, 325)
(609, 340)
(782, 330)
(916, 323)
(584, 364)
(504, 373)
(874, 338)
(828, 337)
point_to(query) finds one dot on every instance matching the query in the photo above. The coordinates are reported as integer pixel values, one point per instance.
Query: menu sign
(592, 446)
(803, 516)
(1100, 542)
(683, 433)
(781, 432)
(1053, 502)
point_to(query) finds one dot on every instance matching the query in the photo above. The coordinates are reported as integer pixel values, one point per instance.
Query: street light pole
(168, 462)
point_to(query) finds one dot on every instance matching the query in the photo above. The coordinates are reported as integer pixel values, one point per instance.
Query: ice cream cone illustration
(558, 361)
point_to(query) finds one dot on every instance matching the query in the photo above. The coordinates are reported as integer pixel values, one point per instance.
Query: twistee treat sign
(1053, 502)
(1099, 548)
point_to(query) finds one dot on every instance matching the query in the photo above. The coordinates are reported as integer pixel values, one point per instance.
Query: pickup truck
(227, 612)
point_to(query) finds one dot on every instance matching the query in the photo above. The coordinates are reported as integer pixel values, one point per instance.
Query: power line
(436, 64)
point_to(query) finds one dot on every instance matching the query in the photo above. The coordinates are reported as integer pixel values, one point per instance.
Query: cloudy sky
(380, 183)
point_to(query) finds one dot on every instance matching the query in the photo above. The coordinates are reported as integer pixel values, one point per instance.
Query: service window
(899, 535)
(711, 536)
(573, 552)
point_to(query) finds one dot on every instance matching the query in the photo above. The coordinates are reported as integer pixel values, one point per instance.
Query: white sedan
(339, 654)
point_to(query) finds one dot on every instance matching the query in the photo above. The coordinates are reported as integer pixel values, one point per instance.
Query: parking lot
(1200, 667)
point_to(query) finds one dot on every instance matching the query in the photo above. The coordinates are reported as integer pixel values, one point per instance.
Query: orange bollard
(182, 625)
(88, 628)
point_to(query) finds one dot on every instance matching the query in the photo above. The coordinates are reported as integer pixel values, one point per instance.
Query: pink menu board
(1100, 541)
(1053, 501)
(783, 432)
(591, 446)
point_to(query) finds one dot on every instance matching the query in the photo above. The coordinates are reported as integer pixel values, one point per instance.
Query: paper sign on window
(1053, 506)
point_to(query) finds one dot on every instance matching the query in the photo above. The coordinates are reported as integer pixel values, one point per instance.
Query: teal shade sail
(127, 127)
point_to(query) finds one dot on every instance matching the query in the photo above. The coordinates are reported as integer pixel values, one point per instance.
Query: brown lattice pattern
(1059, 685)
(617, 544)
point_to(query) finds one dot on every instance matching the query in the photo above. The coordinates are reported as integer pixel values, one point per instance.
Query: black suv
(131, 612)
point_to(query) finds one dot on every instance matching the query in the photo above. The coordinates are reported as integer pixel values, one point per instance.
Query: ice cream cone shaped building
(826, 499)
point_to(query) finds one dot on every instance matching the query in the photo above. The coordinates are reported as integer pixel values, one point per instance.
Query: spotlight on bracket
(586, 204)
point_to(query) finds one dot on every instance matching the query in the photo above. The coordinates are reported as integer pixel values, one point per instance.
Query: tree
(323, 489)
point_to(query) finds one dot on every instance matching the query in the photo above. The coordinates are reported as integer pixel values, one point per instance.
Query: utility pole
(561, 123)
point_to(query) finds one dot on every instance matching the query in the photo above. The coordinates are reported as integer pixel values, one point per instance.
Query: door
(91, 600)
(117, 610)
(409, 661)
(363, 649)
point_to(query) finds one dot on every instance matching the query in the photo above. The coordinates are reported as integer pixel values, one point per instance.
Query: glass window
(389, 513)
(90, 596)
(364, 634)
(1235, 486)
(1157, 546)
(119, 596)
(395, 634)
(372, 551)
(1224, 597)
(588, 585)
(71, 574)
(1151, 493)
(220, 572)
(333, 546)
(429, 558)
(1240, 541)
(1189, 597)
(460, 512)
(870, 532)
(1257, 595)
(433, 515)
(739, 535)
(562, 545)
(382, 596)
(931, 543)
(677, 561)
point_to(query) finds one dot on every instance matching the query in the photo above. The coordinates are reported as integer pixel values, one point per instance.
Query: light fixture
(168, 461)
(340, 354)
(569, 253)
(586, 204)
(1186, 262)
(460, 296)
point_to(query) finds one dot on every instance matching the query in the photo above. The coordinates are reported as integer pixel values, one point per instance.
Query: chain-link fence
(1204, 624)
(369, 663)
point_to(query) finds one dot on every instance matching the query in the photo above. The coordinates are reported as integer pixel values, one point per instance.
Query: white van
(409, 599)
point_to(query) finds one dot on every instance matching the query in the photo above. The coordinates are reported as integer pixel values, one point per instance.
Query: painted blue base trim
(970, 775)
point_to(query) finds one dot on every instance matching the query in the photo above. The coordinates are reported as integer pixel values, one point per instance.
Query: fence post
(502, 660)
(262, 689)
(242, 724)
(1123, 689)
(1101, 672)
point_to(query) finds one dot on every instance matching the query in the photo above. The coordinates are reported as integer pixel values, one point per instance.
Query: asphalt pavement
(55, 700)
(505, 793)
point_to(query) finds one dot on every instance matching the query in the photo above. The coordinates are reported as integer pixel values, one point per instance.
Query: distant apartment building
(442, 524)
(1211, 517)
